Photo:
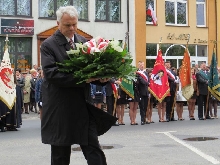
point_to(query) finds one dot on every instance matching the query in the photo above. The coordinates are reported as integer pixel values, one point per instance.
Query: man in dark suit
(170, 100)
(142, 85)
(202, 78)
(67, 117)
(110, 97)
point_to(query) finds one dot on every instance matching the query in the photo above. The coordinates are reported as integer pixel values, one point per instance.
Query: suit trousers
(202, 99)
(169, 106)
(110, 101)
(143, 107)
(60, 155)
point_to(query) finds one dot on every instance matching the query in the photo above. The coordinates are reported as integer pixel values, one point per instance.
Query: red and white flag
(7, 84)
(151, 13)
(159, 85)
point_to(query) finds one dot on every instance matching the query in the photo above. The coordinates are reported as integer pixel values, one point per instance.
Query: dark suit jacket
(202, 84)
(142, 85)
(65, 115)
(172, 82)
(108, 87)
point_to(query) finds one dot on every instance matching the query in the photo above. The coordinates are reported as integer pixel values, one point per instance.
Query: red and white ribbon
(170, 74)
(143, 75)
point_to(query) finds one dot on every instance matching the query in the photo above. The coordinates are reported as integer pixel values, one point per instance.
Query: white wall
(103, 29)
(132, 30)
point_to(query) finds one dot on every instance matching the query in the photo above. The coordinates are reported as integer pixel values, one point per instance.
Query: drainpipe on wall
(216, 16)
(128, 22)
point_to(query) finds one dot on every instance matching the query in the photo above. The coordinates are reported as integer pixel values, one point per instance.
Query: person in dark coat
(143, 84)
(202, 78)
(38, 92)
(170, 100)
(67, 117)
(111, 90)
(33, 81)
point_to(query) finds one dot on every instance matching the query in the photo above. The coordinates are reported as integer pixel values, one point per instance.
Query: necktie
(71, 44)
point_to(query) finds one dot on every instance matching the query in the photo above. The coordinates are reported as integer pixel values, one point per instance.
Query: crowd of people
(67, 114)
(172, 104)
(28, 98)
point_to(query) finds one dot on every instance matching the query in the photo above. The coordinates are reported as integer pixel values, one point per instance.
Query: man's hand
(91, 80)
(103, 80)
(118, 82)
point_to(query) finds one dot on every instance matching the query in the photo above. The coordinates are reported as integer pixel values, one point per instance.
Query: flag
(185, 76)
(115, 93)
(159, 85)
(151, 13)
(214, 84)
(127, 86)
(115, 90)
(7, 84)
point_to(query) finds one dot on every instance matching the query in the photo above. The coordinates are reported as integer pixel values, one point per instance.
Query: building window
(153, 4)
(82, 8)
(20, 51)
(202, 50)
(48, 8)
(200, 12)
(15, 8)
(108, 10)
(176, 12)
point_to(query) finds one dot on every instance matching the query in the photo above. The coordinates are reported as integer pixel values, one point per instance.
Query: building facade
(29, 22)
(181, 23)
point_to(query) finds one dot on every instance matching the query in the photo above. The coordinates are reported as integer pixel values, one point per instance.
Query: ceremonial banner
(127, 86)
(159, 85)
(214, 84)
(7, 85)
(115, 90)
(185, 76)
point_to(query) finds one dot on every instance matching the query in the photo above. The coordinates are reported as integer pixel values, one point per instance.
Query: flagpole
(177, 85)
(160, 43)
(207, 100)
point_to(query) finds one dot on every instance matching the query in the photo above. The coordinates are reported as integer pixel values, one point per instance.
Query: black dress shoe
(208, 117)
(201, 118)
(192, 118)
(2, 129)
(142, 123)
(116, 124)
(172, 119)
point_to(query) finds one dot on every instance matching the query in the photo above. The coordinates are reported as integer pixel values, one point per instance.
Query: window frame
(107, 15)
(155, 10)
(55, 9)
(204, 3)
(175, 10)
(16, 11)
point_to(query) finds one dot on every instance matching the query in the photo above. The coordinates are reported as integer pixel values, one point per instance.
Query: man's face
(17, 73)
(141, 65)
(67, 25)
(34, 74)
(35, 67)
(167, 65)
(203, 66)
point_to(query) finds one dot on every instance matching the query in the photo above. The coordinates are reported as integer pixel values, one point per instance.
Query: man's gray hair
(71, 10)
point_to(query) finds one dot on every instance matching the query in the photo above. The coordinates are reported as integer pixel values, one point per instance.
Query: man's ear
(58, 23)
